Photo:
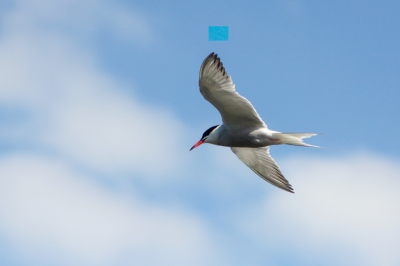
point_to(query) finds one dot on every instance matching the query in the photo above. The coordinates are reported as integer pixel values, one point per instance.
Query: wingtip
(289, 189)
(211, 55)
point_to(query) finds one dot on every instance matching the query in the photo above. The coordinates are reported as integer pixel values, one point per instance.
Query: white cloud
(345, 210)
(81, 19)
(74, 107)
(51, 212)
(113, 132)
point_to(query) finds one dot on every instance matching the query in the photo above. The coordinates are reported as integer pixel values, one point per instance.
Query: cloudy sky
(99, 105)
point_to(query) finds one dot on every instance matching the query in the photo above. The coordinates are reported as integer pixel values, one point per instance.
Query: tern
(242, 129)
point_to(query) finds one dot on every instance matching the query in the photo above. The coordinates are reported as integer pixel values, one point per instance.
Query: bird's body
(237, 136)
(243, 129)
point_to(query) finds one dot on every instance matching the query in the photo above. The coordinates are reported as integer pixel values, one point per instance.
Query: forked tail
(296, 138)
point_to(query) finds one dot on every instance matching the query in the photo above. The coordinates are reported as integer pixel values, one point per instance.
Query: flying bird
(242, 129)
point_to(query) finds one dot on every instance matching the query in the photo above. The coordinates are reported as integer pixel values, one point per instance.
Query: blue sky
(99, 106)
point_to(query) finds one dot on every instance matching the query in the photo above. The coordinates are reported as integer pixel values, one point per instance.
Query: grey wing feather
(260, 161)
(217, 87)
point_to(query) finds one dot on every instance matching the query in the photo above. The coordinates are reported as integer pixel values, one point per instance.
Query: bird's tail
(296, 138)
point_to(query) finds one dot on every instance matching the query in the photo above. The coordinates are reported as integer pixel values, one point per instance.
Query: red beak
(198, 144)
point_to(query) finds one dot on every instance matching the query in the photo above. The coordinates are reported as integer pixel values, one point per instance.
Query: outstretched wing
(260, 161)
(216, 87)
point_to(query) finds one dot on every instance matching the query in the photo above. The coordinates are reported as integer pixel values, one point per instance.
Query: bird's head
(206, 136)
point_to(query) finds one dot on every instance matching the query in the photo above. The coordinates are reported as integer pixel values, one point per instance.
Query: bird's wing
(260, 161)
(217, 87)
